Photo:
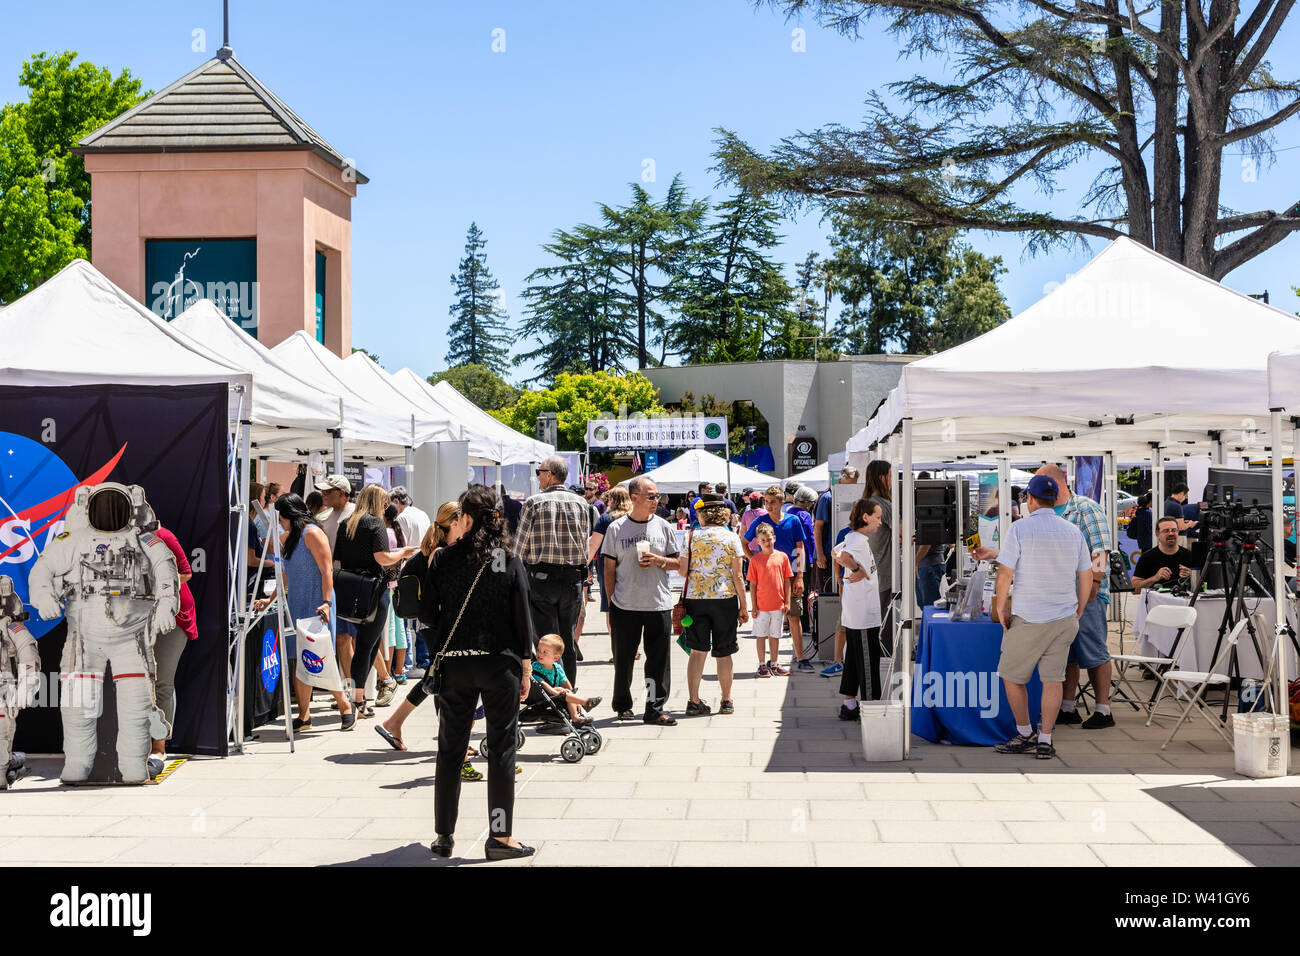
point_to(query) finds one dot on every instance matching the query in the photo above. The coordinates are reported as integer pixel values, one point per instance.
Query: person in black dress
(476, 597)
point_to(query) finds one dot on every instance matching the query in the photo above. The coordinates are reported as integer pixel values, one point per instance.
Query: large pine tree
(733, 297)
(478, 329)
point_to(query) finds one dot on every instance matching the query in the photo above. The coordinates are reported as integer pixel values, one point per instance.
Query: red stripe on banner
(61, 502)
(125, 676)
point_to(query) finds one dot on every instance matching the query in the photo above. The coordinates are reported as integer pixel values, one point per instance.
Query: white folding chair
(1196, 683)
(1164, 615)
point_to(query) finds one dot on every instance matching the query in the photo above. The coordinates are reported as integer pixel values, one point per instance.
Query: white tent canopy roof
(369, 433)
(482, 450)
(818, 478)
(289, 416)
(78, 328)
(686, 471)
(1284, 380)
(367, 379)
(1132, 349)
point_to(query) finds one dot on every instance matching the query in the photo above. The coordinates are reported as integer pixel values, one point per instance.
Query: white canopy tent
(290, 417)
(490, 441)
(1134, 356)
(369, 433)
(370, 381)
(818, 478)
(685, 472)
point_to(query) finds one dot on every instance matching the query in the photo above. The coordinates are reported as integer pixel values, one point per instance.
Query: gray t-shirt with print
(638, 588)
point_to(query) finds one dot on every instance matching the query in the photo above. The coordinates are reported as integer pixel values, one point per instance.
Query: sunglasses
(539, 471)
(649, 497)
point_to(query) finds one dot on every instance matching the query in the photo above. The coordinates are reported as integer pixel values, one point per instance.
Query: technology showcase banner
(667, 432)
(172, 442)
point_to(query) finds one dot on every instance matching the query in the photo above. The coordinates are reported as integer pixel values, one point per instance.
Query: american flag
(636, 462)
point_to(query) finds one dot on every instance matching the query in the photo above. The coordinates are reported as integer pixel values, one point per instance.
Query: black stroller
(577, 743)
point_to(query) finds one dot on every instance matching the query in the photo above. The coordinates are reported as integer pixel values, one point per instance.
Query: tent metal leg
(903, 645)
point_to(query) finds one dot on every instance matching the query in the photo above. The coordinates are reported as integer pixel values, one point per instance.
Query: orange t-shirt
(769, 572)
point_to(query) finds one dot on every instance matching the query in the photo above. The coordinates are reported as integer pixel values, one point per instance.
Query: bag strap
(465, 604)
(686, 582)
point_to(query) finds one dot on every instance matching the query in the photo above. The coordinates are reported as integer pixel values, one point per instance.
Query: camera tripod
(1238, 567)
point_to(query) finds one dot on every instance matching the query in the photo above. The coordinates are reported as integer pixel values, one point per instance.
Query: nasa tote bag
(316, 666)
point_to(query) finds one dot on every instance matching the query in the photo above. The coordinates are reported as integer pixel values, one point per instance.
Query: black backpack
(410, 582)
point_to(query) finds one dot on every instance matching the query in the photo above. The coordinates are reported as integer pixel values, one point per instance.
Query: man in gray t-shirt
(640, 603)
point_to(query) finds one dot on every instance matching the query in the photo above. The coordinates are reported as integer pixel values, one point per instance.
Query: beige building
(828, 401)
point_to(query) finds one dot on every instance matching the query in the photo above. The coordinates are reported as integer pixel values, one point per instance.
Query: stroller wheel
(572, 749)
(483, 748)
(519, 739)
(591, 740)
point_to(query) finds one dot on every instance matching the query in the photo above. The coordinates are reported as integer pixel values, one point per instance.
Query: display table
(1196, 650)
(957, 696)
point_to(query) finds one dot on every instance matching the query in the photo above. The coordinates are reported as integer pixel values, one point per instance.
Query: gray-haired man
(554, 533)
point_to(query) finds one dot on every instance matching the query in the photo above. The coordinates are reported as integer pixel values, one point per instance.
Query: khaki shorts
(1026, 646)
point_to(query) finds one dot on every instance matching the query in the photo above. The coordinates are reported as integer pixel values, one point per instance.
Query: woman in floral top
(715, 600)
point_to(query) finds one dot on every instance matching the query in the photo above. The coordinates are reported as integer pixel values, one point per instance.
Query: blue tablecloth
(957, 696)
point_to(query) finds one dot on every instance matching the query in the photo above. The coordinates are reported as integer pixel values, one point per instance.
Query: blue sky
(530, 139)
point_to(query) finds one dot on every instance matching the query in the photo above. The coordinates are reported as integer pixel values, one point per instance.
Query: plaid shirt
(1090, 518)
(555, 528)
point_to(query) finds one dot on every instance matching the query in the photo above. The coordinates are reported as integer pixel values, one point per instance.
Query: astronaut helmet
(6, 586)
(110, 508)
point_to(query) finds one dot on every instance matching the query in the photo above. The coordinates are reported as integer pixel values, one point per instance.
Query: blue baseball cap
(1041, 486)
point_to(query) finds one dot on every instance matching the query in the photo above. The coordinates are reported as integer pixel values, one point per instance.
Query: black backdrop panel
(173, 442)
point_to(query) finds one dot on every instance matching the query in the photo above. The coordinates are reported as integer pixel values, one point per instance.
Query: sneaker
(1099, 721)
(1068, 718)
(777, 670)
(728, 707)
(468, 772)
(156, 766)
(1044, 751)
(805, 666)
(349, 719)
(847, 714)
(764, 670)
(700, 709)
(833, 670)
(386, 691)
(1019, 744)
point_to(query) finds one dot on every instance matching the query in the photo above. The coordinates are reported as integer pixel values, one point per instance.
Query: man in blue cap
(1048, 558)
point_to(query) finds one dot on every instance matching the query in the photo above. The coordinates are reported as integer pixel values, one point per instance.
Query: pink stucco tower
(213, 187)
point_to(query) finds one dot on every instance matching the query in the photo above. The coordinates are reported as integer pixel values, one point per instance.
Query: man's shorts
(713, 625)
(768, 623)
(1026, 646)
(1089, 648)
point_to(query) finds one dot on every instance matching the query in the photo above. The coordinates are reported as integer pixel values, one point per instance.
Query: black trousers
(555, 598)
(496, 678)
(367, 642)
(862, 655)
(631, 629)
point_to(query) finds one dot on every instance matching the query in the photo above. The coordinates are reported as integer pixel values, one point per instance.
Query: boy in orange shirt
(771, 575)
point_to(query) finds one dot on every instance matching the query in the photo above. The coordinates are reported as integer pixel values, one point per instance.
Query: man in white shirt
(335, 491)
(1049, 559)
(413, 521)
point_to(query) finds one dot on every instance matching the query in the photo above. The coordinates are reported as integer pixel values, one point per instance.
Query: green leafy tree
(732, 293)
(482, 386)
(1156, 100)
(44, 189)
(575, 310)
(478, 330)
(578, 398)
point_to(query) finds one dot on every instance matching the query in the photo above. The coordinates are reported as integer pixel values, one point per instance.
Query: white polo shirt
(1046, 553)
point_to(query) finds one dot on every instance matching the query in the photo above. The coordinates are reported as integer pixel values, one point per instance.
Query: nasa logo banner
(270, 661)
(170, 441)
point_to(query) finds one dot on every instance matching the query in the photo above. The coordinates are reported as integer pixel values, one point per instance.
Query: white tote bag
(316, 664)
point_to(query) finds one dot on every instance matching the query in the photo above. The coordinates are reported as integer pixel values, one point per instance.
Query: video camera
(1225, 514)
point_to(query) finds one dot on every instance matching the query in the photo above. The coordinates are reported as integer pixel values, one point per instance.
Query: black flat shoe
(442, 846)
(496, 850)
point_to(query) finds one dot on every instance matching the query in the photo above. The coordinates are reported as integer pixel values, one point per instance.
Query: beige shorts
(1026, 646)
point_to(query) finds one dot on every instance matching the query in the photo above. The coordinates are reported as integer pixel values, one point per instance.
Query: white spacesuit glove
(48, 608)
(163, 621)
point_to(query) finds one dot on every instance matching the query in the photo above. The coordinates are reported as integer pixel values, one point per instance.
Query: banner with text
(668, 432)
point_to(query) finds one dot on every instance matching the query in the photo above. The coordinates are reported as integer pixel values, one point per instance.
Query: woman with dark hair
(878, 487)
(309, 581)
(476, 597)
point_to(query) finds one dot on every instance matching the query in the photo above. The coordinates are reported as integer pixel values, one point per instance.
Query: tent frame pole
(1158, 486)
(241, 544)
(1110, 488)
(1004, 498)
(1281, 594)
(903, 645)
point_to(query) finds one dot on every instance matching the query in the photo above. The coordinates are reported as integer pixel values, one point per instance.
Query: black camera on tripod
(1225, 515)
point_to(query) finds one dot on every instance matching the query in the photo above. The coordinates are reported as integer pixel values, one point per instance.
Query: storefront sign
(803, 453)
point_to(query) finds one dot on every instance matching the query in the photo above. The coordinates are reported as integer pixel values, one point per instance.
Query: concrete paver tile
(883, 854)
(928, 831)
(743, 854)
(1025, 854)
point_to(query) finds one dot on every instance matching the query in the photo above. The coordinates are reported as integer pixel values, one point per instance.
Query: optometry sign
(667, 432)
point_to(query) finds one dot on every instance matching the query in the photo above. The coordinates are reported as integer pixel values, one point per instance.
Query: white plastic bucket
(882, 730)
(1260, 744)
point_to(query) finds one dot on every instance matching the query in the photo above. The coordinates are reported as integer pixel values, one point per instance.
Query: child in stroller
(549, 680)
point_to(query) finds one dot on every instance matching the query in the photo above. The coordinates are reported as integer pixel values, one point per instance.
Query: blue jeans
(1089, 648)
(928, 577)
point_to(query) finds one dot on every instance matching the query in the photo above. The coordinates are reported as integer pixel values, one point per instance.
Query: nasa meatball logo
(712, 431)
(36, 490)
(101, 550)
(314, 663)
(270, 661)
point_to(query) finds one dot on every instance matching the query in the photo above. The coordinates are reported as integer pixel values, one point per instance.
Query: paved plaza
(780, 782)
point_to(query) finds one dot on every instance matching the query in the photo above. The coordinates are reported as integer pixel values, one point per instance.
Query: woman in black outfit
(362, 548)
(476, 597)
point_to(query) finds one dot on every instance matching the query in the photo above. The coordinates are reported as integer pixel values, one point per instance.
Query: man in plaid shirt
(555, 529)
(1089, 648)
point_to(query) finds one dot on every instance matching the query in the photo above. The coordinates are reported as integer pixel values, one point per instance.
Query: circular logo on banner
(600, 433)
(803, 447)
(35, 490)
(712, 430)
(270, 661)
(312, 662)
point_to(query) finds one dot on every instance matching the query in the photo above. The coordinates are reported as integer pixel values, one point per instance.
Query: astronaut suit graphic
(117, 585)
(20, 670)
